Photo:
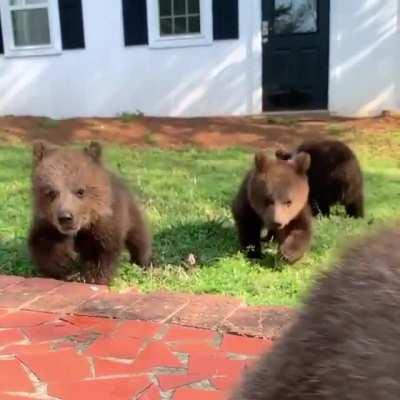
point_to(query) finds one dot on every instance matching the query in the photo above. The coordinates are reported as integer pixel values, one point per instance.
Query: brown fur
(274, 195)
(82, 214)
(334, 176)
(346, 341)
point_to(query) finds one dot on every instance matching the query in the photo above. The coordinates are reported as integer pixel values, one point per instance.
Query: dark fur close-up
(273, 195)
(345, 343)
(334, 176)
(83, 215)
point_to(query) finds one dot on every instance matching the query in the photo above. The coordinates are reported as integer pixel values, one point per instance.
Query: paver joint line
(62, 354)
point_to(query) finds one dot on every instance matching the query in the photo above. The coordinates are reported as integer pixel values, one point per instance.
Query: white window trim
(10, 50)
(205, 38)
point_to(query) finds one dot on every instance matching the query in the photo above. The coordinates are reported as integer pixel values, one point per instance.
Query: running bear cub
(273, 195)
(334, 176)
(345, 343)
(83, 215)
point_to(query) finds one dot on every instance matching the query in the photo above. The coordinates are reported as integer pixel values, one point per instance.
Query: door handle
(265, 31)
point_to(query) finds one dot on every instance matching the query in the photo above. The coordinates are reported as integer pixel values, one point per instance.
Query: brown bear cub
(274, 196)
(345, 343)
(334, 176)
(83, 215)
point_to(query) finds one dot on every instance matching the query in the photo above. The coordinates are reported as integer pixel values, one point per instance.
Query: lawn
(187, 194)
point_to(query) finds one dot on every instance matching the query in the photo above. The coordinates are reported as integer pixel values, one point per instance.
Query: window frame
(204, 38)
(11, 50)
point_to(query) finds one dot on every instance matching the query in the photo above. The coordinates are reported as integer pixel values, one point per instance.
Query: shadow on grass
(14, 258)
(207, 241)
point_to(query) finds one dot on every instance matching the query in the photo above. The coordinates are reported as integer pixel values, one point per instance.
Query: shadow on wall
(365, 59)
(107, 79)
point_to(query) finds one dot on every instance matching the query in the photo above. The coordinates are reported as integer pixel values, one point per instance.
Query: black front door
(295, 36)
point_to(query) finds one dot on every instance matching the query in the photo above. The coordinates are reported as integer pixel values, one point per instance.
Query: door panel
(295, 54)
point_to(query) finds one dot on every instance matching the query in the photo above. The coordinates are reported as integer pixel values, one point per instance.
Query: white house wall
(107, 78)
(364, 57)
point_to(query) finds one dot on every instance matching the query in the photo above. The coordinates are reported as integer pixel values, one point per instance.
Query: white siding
(107, 78)
(365, 57)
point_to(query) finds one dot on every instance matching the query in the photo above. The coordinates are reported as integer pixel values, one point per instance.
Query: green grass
(187, 194)
(130, 116)
(48, 123)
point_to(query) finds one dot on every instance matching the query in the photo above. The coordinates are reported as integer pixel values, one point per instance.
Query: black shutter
(135, 22)
(226, 19)
(1, 40)
(71, 19)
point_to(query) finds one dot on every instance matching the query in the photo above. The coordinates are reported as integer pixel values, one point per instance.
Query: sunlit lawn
(187, 194)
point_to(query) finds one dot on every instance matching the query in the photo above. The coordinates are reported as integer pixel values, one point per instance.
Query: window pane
(179, 7)
(194, 6)
(295, 16)
(27, 2)
(180, 25)
(165, 7)
(31, 27)
(33, 2)
(166, 26)
(194, 25)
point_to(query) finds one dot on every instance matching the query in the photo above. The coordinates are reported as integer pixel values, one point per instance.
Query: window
(31, 27)
(175, 23)
(295, 16)
(178, 17)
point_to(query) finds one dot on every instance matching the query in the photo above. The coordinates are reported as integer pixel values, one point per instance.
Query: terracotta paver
(26, 291)
(115, 347)
(155, 307)
(13, 377)
(27, 348)
(156, 355)
(101, 389)
(152, 393)
(65, 297)
(194, 394)
(244, 345)
(206, 311)
(6, 281)
(169, 382)
(93, 324)
(106, 305)
(260, 321)
(9, 336)
(73, 341)
(178, 333)
(104, 367)
(47, 297)
(51, 331)
(136, 329)
(21, 319)
(58, 366)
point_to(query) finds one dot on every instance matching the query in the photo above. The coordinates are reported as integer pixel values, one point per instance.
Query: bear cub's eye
(268, 202)
(80, 192)
(52, 194)
(288, 203)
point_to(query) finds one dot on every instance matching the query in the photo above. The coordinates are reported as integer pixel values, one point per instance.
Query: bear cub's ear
(94, 151)
(261, 161)
(41, 149)
(302, 163)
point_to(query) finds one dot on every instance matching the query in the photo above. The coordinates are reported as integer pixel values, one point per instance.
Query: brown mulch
(248, 132)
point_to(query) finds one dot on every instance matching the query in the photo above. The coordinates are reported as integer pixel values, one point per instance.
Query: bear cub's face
(278, 190)
(70, 187)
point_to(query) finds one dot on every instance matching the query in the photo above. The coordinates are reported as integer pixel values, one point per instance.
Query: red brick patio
(73, 341)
